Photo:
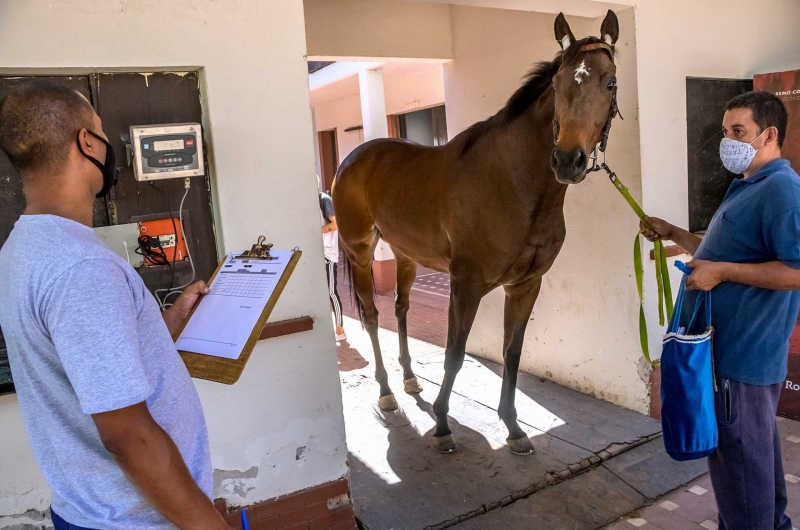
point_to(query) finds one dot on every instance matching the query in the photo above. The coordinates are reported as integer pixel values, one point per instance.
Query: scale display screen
(167, 151)
(168, 145)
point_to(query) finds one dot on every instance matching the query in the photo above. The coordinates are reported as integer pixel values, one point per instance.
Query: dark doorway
(439, 118)
(329, 158)
(708, 178)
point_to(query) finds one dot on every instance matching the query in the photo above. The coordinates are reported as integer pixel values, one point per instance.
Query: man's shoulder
(782, 190)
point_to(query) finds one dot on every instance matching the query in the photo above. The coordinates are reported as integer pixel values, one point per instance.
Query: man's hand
(705, 275)
(654, 229)
(177, 313)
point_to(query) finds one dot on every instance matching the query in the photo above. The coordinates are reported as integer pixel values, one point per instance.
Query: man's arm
(331, 226)
(153, 464)
(179, 310)
(771, 275)
(654, 228)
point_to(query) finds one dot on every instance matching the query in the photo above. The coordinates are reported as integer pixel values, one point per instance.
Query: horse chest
(537, 254)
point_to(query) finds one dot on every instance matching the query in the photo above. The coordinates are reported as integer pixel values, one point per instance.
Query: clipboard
(228, 371)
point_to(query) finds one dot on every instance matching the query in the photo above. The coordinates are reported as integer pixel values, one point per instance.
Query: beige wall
(378, 28)
(407, 87)
(259, 130)
(583, 333)
(713, 38)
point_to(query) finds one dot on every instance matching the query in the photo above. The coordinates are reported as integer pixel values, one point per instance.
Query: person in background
(112, 415)
(750, 261)
(330, 239)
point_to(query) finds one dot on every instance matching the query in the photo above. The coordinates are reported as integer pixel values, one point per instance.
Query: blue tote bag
(688, 420)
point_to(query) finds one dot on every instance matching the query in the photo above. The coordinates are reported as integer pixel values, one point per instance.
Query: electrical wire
(174, 231)
(163, 302)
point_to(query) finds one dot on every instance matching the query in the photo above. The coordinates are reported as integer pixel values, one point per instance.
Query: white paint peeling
(581, 71)
(146, 75)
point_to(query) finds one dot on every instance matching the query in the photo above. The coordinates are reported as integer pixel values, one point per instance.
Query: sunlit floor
(575, 479)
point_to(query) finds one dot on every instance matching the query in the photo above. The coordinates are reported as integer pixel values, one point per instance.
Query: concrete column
(373, 116)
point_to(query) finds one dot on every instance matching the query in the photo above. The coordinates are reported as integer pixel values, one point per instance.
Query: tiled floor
(693, 507)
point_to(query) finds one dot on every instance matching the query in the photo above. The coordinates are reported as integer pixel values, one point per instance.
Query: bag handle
(703, 297)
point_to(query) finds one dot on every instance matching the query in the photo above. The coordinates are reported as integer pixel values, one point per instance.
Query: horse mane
(535, 83)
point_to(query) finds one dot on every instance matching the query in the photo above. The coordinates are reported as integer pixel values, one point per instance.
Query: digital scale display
(167, 151)
(168, 145)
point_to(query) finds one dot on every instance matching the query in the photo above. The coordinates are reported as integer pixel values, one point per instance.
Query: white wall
(289, 395)
(378, 28)
(407, 86)
(713, 38)
(584, 333)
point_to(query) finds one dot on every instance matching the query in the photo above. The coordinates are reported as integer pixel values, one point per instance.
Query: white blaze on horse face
(581, 71)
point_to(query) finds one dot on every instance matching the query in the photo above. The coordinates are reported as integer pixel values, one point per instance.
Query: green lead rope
(662, 271)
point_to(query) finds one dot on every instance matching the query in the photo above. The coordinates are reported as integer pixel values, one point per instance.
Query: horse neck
(530, 160)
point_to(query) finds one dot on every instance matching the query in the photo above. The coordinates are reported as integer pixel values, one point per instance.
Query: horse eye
(612, 84)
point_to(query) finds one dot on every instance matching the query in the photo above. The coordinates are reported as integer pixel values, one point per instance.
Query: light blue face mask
(737, 156)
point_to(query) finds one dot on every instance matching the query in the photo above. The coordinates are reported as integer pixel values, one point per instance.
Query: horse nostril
(580, 159)
(554, 159)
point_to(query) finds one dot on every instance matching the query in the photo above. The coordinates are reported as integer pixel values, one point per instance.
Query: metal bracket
(258, 251)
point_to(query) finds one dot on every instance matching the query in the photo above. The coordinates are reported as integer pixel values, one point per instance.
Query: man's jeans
(61, 524)
(746, 469)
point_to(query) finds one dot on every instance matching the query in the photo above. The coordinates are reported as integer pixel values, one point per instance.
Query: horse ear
(564, 35)
(609, 31)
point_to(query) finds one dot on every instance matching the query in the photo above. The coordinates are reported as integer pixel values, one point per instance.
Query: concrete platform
(580, 476)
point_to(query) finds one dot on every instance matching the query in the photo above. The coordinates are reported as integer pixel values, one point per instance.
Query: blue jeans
(61, 524)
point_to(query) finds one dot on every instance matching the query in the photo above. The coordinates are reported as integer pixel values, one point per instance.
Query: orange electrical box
(164, 231)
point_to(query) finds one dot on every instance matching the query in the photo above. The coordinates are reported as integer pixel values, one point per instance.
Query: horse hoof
(444, 444)
(521, 446)
(412, 386)
(388, 403)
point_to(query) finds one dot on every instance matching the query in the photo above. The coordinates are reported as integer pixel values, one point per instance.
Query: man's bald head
(39, 122)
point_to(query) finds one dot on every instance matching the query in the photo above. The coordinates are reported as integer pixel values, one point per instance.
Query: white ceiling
(393, 72)
(579, 8)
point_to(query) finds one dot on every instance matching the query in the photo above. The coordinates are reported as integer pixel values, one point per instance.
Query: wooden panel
(439, 125)
(708, 179)
(329, 158)
(12, 200)
(134, 99)
(286, 327)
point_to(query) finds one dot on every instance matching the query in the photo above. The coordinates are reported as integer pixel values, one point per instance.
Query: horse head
(585, 98)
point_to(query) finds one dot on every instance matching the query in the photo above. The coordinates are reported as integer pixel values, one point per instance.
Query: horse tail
(354, 298)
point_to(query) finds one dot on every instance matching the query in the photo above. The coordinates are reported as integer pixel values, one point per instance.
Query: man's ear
(564, 34)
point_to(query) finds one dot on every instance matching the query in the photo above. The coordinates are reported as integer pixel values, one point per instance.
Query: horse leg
(519, 303)
(406, 274)
(361, 267)
(465, 297)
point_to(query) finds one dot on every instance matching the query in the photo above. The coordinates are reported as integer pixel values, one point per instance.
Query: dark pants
(333, 291)
(746, 469)
(61, 524)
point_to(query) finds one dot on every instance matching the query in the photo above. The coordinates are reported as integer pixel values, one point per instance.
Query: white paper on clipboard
(225, 318)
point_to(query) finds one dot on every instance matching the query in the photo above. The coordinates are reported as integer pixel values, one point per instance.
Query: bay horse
(484, 208)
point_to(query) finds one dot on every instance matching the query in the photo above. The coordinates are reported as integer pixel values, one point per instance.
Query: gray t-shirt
(85, 336)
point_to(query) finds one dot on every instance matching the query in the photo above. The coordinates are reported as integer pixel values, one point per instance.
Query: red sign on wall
(786, 85)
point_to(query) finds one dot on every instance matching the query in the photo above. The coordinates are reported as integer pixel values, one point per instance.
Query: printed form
(225, 318)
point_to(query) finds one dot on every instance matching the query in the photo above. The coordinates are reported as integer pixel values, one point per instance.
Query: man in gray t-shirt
(112, 415)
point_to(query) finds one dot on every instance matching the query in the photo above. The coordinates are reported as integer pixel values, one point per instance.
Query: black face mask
(109, 169)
